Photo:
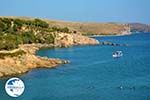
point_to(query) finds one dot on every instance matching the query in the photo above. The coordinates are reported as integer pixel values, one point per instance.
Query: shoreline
(27, 62)
(32, 61)
(20, 64)
(109, 35)
(23, 64)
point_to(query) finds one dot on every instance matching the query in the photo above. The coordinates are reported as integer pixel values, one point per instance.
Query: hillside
(16, 31)
(93, 28)
(21, 38)
(87, 28)
(138, 27)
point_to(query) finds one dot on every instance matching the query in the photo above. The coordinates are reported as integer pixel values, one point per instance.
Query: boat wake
(96, 62)
(101, 62)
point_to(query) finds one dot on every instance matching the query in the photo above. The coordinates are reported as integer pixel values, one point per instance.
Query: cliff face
(66, 40)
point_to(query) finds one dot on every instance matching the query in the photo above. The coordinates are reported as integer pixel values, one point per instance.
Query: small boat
(117, 54)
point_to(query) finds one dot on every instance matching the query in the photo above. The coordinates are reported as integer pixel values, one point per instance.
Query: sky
(123, 11)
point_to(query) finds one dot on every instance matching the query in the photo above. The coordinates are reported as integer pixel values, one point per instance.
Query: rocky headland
(22, 63)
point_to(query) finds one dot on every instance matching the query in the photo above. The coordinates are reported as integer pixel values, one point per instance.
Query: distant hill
(93, 28)
(138, 27)
(87, 28)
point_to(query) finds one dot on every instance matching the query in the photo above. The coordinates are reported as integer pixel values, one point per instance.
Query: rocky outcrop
(112, 44)
(22, 64)
(66, 40)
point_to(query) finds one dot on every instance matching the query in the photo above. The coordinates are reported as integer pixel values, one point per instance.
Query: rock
(113, 44)
(19, 65)
(66, 40)
(1, 75)
(106, 43)
(65, 61)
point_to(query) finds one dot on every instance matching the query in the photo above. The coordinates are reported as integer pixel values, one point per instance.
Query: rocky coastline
(107, 43)
(12, 66)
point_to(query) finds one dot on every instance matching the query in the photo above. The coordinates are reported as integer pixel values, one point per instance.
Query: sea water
(92, 74)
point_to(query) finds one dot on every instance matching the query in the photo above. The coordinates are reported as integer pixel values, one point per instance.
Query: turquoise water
(92, 74)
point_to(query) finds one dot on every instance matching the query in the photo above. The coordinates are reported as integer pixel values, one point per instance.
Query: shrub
(17, 53)
(40, 23)
(18, 22)
(28, 37)
(65, 30)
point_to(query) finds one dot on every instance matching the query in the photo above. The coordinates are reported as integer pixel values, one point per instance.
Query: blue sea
(92, 74)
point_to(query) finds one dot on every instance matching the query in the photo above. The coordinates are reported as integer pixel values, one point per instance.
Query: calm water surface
(92, 74)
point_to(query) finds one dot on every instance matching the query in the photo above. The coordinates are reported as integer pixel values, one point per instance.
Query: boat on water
(117, 54)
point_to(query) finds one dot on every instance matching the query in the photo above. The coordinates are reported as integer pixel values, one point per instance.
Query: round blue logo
(14, 87)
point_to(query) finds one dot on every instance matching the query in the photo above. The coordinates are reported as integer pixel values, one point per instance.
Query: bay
(92, 74)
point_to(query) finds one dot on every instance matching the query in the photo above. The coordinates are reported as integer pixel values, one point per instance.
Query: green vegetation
(8, 42)
(89, 34)
(107, 34)
(18, 31)
(65, 29)
(17, 53)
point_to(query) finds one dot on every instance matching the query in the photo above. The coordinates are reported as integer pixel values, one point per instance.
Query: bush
(65, 30)
(18, 23)
(40, 23)
(8, 42)
(27, 37)
(5, 24)
(49, 38)
(2, 26)
(3, 55)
